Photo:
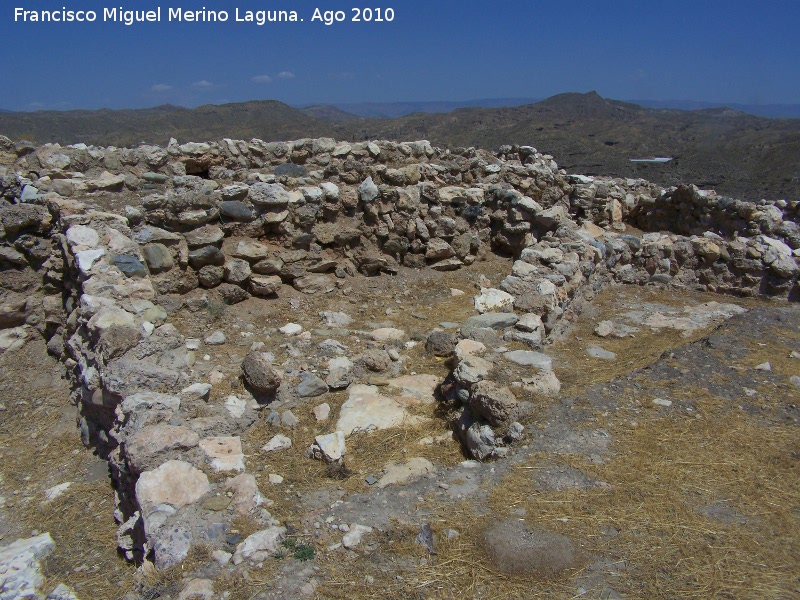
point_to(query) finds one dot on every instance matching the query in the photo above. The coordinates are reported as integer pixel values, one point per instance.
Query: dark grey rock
(311, 386)
(238, 211)
(425, 538)
(130, 265)
(207, 255)
(441, 343)
(290, 170)
(475, 435)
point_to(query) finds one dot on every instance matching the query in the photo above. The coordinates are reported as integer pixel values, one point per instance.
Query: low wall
(248, 218)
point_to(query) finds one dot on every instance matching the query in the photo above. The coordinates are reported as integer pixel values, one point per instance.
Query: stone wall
(248, 218)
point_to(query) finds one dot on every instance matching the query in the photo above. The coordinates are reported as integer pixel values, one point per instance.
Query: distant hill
(268, 120)
(773, 111)
(738, 154)
(327, 112)
(392, 110)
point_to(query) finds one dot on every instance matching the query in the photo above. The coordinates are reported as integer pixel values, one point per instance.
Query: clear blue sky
(720, 51)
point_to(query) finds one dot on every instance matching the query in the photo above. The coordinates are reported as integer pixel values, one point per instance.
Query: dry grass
(40, 447)
(577, 371)
(659, 476)
(367, 454)
(651, 515)
(662, 472)
(460, 568)
(776, 349)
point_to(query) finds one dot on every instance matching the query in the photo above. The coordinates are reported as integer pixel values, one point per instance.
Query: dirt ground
(694, 496)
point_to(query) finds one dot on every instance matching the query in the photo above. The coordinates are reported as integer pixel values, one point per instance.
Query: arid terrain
(737, 154)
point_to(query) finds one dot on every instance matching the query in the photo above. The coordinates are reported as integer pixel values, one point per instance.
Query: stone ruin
(235, 219)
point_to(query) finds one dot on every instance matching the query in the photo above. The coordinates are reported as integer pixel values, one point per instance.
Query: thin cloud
(161, 87)
(286, 75)
(261, 79)
(203, 84)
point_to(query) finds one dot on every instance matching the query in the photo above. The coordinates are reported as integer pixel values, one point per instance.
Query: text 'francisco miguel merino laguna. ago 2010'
(181, 15)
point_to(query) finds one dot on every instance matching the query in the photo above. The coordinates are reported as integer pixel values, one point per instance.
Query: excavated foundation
(113, 241)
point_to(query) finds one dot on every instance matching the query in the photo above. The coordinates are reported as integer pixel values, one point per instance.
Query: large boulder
(441, 343)
(259, 374)
(493, 402)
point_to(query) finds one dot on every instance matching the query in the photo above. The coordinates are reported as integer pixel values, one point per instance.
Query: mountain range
(737, 153)
(392, 110)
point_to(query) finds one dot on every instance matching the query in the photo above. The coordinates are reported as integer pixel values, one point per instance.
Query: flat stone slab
(489, 320)
(601, 353)
(366, 409)
(395, 473)
(225, 453)
(491, 299)
(175, 482)
(260, 546)
(529, 358)
(469, 347)
(416, 389)
(20, 570)
(331, 447)
(277, 443)
(387, 334)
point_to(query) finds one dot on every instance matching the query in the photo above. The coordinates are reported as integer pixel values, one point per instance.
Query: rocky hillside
(737, 154)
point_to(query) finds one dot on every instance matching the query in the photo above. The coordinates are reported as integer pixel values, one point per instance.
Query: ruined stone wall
(687, 210)
(242, 218)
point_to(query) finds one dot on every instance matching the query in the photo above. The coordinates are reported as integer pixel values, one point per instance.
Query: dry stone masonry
(195, 222)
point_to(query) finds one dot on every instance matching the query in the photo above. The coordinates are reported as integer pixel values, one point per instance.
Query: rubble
(216, 225)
